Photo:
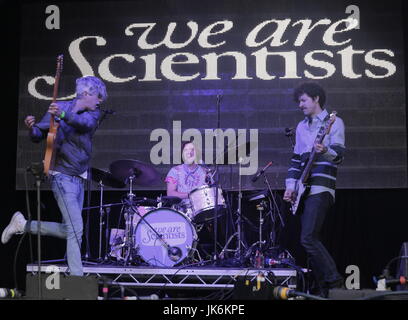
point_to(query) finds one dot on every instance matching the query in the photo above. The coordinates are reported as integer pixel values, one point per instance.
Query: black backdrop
(366, 228)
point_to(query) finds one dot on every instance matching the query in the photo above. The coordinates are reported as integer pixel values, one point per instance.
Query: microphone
(174, 253)
(289, 132)
(256, 177)
(401, 281)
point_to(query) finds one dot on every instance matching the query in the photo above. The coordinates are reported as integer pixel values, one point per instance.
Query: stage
(179, 278)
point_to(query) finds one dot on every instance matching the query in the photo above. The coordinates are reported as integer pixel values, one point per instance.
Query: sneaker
(16, 226)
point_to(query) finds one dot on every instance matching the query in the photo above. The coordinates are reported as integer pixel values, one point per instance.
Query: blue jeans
(315, 209)
(69, 193)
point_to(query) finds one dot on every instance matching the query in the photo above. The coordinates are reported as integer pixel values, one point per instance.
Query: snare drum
(174, 227)
(203, 203)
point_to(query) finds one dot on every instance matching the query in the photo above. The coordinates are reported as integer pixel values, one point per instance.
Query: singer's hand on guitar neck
(54, 110)
(29, 121)
(288, 195)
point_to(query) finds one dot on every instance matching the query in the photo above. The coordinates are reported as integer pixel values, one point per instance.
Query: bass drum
(174, 227)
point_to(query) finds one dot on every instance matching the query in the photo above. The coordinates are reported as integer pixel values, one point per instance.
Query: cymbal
(223, 155)
(106, 178)
(144, 174)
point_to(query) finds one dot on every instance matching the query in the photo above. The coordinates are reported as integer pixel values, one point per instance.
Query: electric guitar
(52, 132)
(302, 187)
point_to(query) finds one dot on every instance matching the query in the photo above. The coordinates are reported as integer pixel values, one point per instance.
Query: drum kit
(159, 232)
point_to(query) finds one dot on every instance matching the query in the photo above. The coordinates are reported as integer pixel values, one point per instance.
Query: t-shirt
(186, 179)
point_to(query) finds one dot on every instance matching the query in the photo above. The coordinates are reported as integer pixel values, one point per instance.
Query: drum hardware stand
(128, 236)
(107, 208)
(261, 208)
(195, 251)
(106, 258)
(238, 257)
(88, 200)
(274, 203)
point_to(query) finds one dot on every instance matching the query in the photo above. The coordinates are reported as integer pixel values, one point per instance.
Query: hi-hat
(106, 178)
(143, 173)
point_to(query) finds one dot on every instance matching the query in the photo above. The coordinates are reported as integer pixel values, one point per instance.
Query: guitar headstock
(330, 122)
(325, 129)
(60, 60)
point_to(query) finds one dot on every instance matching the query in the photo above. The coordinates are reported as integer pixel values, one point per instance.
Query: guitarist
(78, 120)
(311, 98)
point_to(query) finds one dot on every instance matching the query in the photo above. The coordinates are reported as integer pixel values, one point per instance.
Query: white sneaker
(16, 226)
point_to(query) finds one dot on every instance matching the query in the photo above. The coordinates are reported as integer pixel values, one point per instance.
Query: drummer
(184, 178)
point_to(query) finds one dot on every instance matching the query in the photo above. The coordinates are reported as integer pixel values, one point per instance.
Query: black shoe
(320, 292)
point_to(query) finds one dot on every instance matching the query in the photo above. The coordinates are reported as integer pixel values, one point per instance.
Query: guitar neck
(312, 157)
(54, 99)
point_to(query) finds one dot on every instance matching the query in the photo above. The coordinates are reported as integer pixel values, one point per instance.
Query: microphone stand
(37, 170)
(238, 256)
(88, 197)
(216, 184)
(290, 135)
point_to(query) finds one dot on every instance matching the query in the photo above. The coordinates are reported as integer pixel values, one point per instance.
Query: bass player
(311, 98)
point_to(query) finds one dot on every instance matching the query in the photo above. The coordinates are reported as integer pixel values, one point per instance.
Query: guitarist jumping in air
(311, 179)
(78, 120)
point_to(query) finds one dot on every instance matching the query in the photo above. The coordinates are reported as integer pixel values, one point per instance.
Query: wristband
(62, 115)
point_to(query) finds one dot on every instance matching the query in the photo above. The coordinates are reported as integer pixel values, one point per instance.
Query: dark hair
(183, 145)
(313, 90)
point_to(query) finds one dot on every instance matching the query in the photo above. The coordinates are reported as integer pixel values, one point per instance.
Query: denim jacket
(73, 145)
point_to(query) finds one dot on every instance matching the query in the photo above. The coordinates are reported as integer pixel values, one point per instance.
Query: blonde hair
(91, 84)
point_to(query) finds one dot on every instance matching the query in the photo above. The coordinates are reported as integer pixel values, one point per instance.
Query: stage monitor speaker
(403, 266)
(68, 288)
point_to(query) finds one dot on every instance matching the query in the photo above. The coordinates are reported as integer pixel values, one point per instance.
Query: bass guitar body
(300, 194)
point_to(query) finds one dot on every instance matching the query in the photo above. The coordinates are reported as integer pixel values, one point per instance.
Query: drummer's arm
(172, 191)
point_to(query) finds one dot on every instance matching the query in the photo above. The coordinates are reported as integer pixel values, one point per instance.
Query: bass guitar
(302, 187)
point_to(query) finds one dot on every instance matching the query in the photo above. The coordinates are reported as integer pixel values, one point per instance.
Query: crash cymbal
(248, 147)
(144, 174)
(106, 178)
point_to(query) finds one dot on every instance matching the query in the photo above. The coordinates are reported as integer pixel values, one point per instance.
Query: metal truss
(181, 278)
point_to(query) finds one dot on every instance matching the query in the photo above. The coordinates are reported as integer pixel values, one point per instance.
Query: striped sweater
(324, 171)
